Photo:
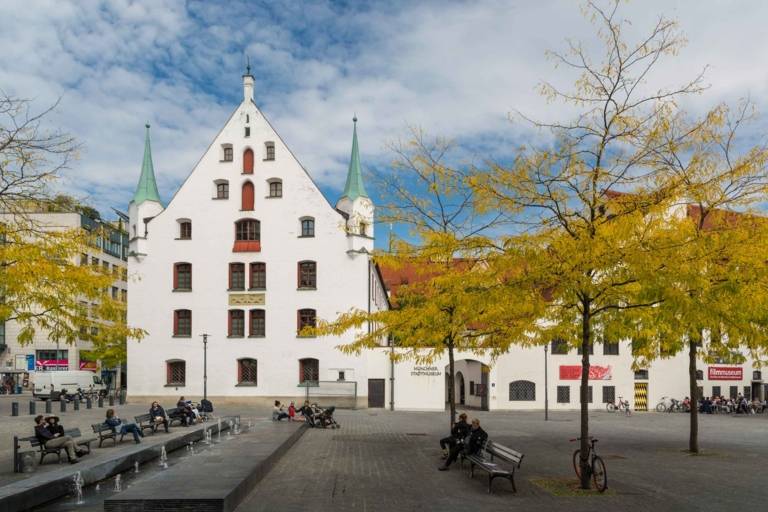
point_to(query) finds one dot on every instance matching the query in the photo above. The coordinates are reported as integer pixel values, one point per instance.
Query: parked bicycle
(595, 465)
(622, 405)
(664, 404)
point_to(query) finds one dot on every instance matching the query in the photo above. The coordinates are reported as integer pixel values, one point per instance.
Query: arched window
(221, 189)
(182, 323)
(269, 150)
(248, 161)
(185, 229)
(258, 325)
(236, 323)
(307, 275)
(226, 152)
(522, 391)
(275, 187)
(182, 276)
(247, 371)
(175, 372)
(309, 370)
(306, 318)
(247, 197)
(307, 227)
(247, 236)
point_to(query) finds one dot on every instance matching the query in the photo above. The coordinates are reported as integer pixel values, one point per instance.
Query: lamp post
(546, 386)
(205, 366)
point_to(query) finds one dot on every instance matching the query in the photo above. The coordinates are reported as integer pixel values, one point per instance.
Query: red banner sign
(88, 365)
(595, 372)
(51, 364)
(725, 373)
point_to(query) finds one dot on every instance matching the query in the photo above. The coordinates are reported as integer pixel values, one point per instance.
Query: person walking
(49, 440)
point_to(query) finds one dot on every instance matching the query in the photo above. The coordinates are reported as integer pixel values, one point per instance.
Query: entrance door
(641, 396)
(376, 393)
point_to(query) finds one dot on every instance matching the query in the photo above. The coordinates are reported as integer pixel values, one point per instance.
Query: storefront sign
(595, 372)
(88, 365)
(51, 364)
(425, 371)
(246, 299)
(725, 373)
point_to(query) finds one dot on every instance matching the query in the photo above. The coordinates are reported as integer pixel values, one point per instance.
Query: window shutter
(239, 370)
(247, 196)
(229, 282)
(248, 161)
(229, 323)
(167, 373)
(175, 323)
(298, 275)
(175, 276)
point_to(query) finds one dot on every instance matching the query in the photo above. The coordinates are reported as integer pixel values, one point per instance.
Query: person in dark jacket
(308, 413)
(55, 440)
(157, 413)
(115, 422)
(53, 425)
(472, 444)
(458, 433)
(186, 410)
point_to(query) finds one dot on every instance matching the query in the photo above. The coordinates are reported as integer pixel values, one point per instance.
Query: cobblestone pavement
(382, 461)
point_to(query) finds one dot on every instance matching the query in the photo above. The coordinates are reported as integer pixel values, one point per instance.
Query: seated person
(157, 415)
(54, 427)
(473, 443)
(308, 413)
(115, 422)
(458, 433)
(186, 410)
(49, 440)
(277, 411)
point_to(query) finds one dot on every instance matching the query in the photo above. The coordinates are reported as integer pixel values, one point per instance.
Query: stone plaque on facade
(246, 299)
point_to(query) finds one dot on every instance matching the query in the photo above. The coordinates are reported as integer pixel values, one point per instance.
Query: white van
(45, 382)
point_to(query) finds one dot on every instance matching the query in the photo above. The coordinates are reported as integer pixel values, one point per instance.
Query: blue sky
(454, 68)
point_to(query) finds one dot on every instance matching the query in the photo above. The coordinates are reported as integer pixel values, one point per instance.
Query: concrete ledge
(40, 489)
(217, 481)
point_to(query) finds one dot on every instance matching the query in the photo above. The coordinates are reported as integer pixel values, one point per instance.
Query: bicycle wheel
(599, 474)
(577, 463)
(661, 408)
(610, 407)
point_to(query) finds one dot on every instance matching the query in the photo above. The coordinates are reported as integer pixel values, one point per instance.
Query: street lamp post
(205, 366)
(546, 386)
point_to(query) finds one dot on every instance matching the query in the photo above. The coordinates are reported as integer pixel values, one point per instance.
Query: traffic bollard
(48, 405)
(111, 400)
(77, 404)
(122, 397)
(32, 407)
(62, 405)
(14, 408)
(101, 402)
(88, 403)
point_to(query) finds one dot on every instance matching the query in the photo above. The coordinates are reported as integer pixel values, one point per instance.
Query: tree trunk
(451, 384)
(693, 439)
(583, 396)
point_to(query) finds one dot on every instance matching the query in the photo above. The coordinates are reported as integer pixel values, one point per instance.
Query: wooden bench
(175, 414)
(489, 459)
(146, 422)
(105, 432)
(74, 433)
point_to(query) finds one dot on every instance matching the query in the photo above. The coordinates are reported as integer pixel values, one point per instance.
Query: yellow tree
(714, 280)
(587, 243)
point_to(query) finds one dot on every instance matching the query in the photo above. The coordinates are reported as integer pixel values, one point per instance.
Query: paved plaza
(382, 461)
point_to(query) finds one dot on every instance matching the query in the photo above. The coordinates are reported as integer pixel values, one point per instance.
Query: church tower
(145, 205)
(355, 203)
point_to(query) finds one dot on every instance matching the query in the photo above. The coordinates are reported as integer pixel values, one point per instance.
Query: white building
(247, 251)
(109, 253)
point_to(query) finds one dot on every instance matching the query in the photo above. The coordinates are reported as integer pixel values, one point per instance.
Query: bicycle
(596, 466)
(623, 405)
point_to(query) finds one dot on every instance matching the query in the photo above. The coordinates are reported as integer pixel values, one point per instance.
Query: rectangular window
(716, 391)
(258, 323)
(182, 322)
(609, 394)
(270, 147)
(734, 391)
(176, 373)
(275, 189)
(591, 349)
(124, 295)
(559, 347)
(246, 371)
(641, 375)
(114, 292)
(309, 370)
(306, 318)
(222, 191)
(228, 153)
(94, 261)
(237, 276)
(247, 131)
(610, 349)
(185, 230)
(307, 227)
(563, 394)
(236, 323)
(258, 276)
(183, 276)
(307, 274)
(589, 394)
(748, 392)
(342, 375)
(105, 266)
(83, 260)
(472, 388)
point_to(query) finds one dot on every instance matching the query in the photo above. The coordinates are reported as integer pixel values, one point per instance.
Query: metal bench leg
(490, 483)
(512, 481)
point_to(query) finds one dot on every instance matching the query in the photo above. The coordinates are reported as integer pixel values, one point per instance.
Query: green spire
(354, 187)
(147, 189)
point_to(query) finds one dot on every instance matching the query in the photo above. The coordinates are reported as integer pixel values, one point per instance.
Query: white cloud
(456, 69)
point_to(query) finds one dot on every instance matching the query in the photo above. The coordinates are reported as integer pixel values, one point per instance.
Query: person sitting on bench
(186, 411)
(49, 440)
(458, 433)
(472, 444)
(157, 413)
(114, 421)
(53, 425)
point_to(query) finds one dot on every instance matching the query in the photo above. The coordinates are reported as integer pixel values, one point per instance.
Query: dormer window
(221, 189)
(275, 187)
(226, 153)
(269, 151)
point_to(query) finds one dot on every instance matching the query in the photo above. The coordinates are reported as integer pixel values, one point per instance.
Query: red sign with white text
(725, 373)
(595, 372)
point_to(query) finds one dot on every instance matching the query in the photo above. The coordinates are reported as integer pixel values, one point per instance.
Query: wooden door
(375, 392)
